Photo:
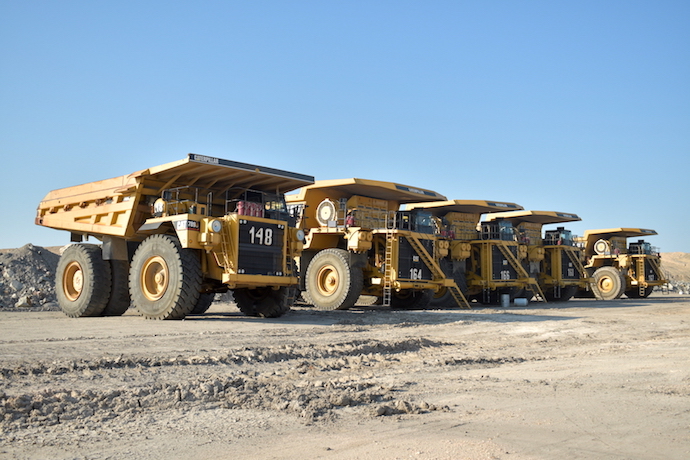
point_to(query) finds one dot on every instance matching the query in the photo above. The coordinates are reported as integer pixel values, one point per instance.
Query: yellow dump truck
(173, 236)
(617, 268)
(554, 259)
(358, 242)
(459, 223)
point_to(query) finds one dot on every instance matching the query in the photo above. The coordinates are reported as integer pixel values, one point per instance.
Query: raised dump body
(482, 258)
(617, 268)
(359, 242)
(553, 259)
(175, 234)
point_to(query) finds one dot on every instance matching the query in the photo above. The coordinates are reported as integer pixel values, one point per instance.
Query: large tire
(82, 281)
(608, 283)
(203, 304)
(635, 293)
(566, 294)
(408, 299)
(265, 302)
(119, 294)
(332, 283)
(443, 298)
(164, 278)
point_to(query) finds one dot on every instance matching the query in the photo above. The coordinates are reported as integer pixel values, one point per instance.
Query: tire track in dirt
(311, 382)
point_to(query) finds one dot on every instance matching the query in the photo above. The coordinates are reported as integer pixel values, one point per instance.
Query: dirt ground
(579, 380)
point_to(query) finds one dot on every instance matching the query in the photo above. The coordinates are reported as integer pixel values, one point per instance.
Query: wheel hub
(73, 281)
(154, 278)
(327, 280)
(606, 284)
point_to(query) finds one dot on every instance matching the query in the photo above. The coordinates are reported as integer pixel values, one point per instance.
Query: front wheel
(164, 278)
(332, 282)
(608, 283)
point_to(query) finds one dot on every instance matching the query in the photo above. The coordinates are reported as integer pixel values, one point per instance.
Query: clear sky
(573, 106)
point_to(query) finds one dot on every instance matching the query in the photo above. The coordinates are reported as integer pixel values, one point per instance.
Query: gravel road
(578, 380)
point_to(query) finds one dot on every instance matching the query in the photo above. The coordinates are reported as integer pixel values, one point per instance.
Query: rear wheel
(566, 294)
(443, 297)
(408, 299)
(164, 278)
(635, 293)
(82, 281)
(203, 304)
(119, 295)
(608, 283)
(265, 302)
(332, 283)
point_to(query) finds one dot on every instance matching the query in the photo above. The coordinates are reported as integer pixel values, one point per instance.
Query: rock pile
(27, 278)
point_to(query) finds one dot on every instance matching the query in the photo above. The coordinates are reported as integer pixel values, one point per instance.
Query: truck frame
(554, 259)
(174, 235)
(617, 268)
(484, 257)
(358, 242)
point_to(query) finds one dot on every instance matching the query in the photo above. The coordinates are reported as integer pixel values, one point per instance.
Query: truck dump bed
(118, 206)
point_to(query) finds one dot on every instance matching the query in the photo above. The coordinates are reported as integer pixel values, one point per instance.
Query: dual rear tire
(83, 281)
(162, 281)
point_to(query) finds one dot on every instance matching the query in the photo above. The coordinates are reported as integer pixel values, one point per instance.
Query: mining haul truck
(173, 236)
(483, 259)
(554, 260)
(358, 242)
(617, 268)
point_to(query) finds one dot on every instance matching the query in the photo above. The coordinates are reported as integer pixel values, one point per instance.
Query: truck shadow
(376, 315)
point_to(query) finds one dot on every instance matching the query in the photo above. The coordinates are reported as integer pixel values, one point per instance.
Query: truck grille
(260, 248)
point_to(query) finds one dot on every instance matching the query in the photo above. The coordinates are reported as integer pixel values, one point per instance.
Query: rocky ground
(27, 277)
(584, 379)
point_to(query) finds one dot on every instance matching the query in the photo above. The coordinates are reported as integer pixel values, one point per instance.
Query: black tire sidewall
(412, 300)
(349, 288)
(119, 296)
(96, 281)
(263, 302)
(616, 276)
(184, 279)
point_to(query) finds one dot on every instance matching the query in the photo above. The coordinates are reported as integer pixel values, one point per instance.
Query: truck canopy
(199, 171)
(390, 191)
(441, 208)
(618, 232)
(118, 206)
(218, 174)
(535, 217)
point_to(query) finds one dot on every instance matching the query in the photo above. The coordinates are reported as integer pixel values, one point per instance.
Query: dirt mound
(27, 278)
(676, 265)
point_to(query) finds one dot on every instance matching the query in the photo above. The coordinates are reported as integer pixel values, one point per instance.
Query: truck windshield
(424, 222)
(498, 230)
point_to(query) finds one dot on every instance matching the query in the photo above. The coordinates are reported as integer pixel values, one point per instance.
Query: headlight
(216, 226)
(300, 235)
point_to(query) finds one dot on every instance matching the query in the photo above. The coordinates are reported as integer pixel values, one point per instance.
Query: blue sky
(580, 107)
